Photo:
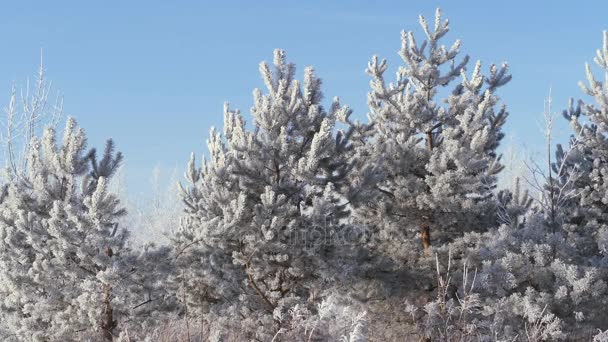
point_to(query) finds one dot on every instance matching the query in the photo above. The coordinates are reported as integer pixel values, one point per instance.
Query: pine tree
(263, 213)
(552, 261)
(61, 250)
(437, 148)
(589, 121)
(584, 222)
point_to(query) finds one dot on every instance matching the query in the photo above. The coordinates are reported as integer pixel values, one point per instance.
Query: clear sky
(153, 75)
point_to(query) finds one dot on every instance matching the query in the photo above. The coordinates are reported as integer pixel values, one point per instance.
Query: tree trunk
(425, 230)
(425, 238)
(429, 140)
(108, 323)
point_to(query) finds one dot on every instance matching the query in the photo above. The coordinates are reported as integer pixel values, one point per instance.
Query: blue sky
(153, 75)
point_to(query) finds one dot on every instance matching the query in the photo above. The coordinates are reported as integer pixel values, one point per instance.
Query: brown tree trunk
(425, 229)
(429, 140)
(108, 324)
(425, 238)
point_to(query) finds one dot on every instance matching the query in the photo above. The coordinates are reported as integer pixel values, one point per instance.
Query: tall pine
(264, 211)
(436, 131)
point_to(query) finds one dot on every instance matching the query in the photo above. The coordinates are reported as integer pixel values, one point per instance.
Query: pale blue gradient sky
(154, 74)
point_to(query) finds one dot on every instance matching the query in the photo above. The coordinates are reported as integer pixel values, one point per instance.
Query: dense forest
(303, 224)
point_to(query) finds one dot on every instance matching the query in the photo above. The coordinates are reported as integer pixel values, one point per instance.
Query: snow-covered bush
(460, 313)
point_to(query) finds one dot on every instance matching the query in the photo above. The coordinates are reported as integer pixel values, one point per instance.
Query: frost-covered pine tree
(263, 213)
(61, 250)
(584, 222)
(436, 131)
(590, 124)
(549, 270)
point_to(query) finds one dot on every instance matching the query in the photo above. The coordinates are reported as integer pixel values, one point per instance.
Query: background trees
(30, 110)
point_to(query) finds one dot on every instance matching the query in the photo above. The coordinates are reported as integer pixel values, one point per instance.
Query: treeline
(312, 226)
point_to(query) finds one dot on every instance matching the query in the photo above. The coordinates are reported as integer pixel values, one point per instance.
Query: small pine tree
(61, 250)
(589, 124)
(552, 261)
(263, 213)
(584, 222)
(437, 149)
